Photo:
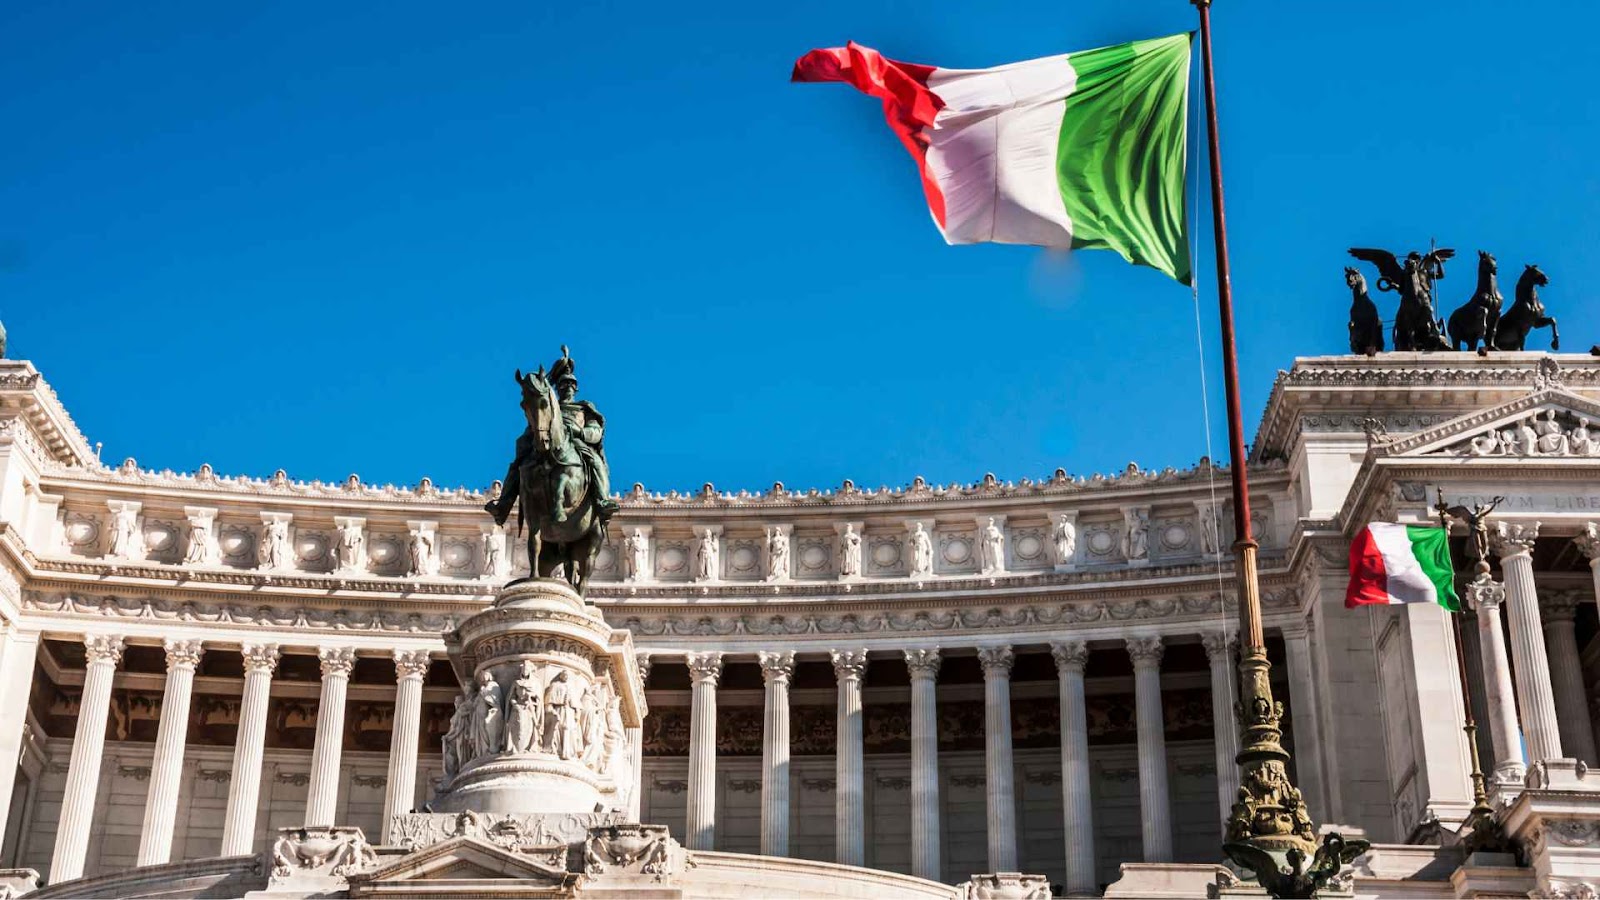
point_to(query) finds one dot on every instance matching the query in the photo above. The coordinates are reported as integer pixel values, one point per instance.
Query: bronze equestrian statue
(1415, 324)
(559, 477)
(1366, 326)
(1526, 313)
(1479, 319)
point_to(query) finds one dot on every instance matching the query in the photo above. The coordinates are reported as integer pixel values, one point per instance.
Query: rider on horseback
(584, 423)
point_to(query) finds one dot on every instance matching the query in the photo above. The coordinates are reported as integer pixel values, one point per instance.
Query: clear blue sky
(320, 236)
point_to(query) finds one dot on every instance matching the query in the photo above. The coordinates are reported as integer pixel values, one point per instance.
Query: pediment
(1547, 424)
(467, 859)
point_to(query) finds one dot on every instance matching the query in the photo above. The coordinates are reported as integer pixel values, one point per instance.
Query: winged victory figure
(1416, 326)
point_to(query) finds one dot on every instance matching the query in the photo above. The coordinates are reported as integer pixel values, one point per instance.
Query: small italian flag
(1401, 564)
(1082, 150)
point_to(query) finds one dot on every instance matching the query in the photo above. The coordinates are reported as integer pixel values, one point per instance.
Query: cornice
(22, 388)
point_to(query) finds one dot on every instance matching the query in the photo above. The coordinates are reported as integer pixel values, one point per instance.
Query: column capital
(183, 654)
(1484, 593)
(704, 667)
(996, 661)
(1558, 607)
(849, 664)
(923, 662)
(1219, 645)
(1146, 651)
(643, 661)
(1070, 656)
(777, 667)
(337, 660)
(103, 648)
(260, 657)
(1589, 542)
(411, 664)
(1511, 538)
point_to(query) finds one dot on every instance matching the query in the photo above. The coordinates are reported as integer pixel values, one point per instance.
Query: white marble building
(930, 680)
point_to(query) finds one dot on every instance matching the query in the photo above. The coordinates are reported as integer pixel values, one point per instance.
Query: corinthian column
(924, 667)
(704, 670)
(244, 791)
(1071, 657)
(850, 796)
(1486, 596)
(1589, 544)
(400, 791)
(1002, 802)
(776, 670)
(1219, 650)
(83, 770)
(1514, 544)
(1566, 676)
(1155, 806)
(323, 795)
(166, 772)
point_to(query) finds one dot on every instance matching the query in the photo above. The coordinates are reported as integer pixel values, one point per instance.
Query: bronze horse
(1366, 326)
(1526, 313)
(1479, 318)
(549, 465)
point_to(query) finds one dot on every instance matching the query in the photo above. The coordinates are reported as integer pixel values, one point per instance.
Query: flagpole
(1269, 830)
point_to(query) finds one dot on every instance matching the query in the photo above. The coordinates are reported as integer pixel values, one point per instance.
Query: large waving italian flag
(1401, 564)
(1083, 150)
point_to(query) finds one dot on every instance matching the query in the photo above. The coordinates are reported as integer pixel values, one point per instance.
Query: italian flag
(1401, 564)
(1082, 150)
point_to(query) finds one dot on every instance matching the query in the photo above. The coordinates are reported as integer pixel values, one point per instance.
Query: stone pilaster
(704, 671)
(850, 794)
(1000, 780)
(83, 770)
(19, 651)
(1076, 805)
(400, 790)
(323, 795)
(1155, 804)
(777, 669)
(166, 770)
(636, 741)
(244, 792)
(924, 668)
(1535, 698)
(1225, 728)
(1508, 765)
(1557, 612)
(1303, 708)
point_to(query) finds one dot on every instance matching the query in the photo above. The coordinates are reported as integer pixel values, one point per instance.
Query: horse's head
(1486, 263)
(1534, 276)
(1354, 279)
(538, 405)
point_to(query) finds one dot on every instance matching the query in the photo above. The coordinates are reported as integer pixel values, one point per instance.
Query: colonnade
(923, 665)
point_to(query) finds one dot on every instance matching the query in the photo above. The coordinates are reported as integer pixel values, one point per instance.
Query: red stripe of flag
(1369, 580)
(907, 103)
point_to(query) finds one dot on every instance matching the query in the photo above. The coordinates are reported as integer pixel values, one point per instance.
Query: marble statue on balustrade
(2, 341)
(705, 557)
(126, 540)
(991, 548)
(494, 553)
(1065, 536)
(921, 552)
(558, 478)
(1210, 530)
(849, 552)
(420, 551)
(275, 550)
(350, 550)
(561, 734)
(635, 556)
(1136, 544)
(524, 713)
(203, 548)
(488, 724)
(777, 554)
